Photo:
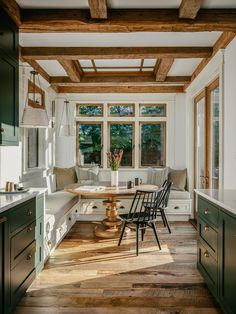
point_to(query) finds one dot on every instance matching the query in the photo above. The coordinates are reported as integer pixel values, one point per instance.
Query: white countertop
(223, 198)
(8, 201)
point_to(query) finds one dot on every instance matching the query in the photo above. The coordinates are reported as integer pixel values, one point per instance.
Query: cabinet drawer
(20, 241)
(208, 211)
(22, 215)
(23, 269)
(208, 264)
(208, 234)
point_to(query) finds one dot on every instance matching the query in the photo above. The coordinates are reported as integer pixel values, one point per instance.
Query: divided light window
(121, 110)
(152, 110)
(152, 144)
(89, 110)
(121, 136)
(32, 148)
(89, 141)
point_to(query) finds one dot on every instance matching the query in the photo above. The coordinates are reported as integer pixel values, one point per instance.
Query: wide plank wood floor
(89, 275)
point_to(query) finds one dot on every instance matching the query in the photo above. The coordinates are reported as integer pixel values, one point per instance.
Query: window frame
(140, 143)
(77, 141)
(109, 123)
(152, 105)
(89, 105)
(109, 105)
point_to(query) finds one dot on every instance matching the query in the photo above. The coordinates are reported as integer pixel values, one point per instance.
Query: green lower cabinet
(2, 222)
(228, 263)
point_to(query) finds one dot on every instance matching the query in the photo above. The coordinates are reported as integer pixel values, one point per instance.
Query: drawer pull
(2, 220)
(206, 211)
(122, 207)
(29, 213)
(206, 228)
(49, 242)
(176, 207)
(1, 130)
(69, 218)
(206, 254)
(76, 210)
(29, 257)
(94, 207)
(29, 229)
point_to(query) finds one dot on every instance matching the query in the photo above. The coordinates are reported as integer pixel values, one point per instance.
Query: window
(89, 139)
(121, 110)
(87, 110)
(152, 110)
(122, 137)
(152, 144)
(32, 148)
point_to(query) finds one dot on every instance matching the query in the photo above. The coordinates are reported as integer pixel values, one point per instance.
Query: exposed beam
(75, 53)
(125, 21)
(221, 43)
(120, 89)
(189, 8)
(12, 9)
(39, 69)
(73, 69)
(98, 9)
(163, 67)
(121, 80)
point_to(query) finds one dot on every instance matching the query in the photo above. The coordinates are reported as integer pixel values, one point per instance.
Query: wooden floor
(88, 275)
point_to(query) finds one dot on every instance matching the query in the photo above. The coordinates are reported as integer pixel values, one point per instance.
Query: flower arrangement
(114, 159)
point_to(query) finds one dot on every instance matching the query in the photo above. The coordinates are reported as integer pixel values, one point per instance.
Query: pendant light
(34, 117)
(65, 128)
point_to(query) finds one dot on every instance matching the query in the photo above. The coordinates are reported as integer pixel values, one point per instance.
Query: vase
(114, 177)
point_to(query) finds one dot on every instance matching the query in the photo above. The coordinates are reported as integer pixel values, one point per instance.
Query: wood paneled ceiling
(120, 69)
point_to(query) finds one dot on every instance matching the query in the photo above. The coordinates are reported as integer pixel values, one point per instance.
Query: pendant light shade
(34, 116)
(66, 128)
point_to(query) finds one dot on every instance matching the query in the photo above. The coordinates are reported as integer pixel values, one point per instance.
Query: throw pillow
(157, 176)
(178, 179)
(87, 176)
(64, 177)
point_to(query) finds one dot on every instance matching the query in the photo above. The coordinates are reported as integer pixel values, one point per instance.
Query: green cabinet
(217, 252)
(2, 262)
(9, 81)
(227, 261)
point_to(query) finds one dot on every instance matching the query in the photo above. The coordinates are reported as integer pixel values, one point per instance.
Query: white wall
(229, 84)
(176, 129)
(12, 157)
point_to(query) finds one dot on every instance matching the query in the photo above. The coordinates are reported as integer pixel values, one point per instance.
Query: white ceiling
(118, 39)
(52, 67)
(184, 67)
(118, 4)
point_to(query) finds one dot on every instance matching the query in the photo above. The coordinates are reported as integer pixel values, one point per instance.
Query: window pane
(90, 141)
(121, 137)
(215, 138)
(89, 110)
(121, 110)
(33, 151)
(153, 110)
(153, 144)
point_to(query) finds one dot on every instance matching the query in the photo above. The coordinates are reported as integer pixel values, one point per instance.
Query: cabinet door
(2, 280)
(228, 262)
(8, 101)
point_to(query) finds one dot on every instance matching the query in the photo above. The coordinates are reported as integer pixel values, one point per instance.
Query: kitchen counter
(223, 198)
(8, 201)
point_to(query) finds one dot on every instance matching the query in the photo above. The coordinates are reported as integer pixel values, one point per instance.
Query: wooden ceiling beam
(126, 21)
(120, 89)
(221, 43)
(163, 68)
(109, 80)
(98, 9)
(189, 8)
(12, 9)
(72, 68)
(75, 53)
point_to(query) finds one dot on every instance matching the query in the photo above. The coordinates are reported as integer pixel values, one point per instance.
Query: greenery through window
(89, 143)
(121, 110)
(152, 148)
(33, 148)
(89, 110)
(153, 110)
(121, 137)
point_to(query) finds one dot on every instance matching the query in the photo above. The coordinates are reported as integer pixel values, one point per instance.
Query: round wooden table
(110, 227)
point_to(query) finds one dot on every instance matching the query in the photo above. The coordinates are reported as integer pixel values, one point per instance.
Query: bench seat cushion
(58, 203)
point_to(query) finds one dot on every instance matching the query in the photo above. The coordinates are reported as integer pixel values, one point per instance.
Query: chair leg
(156, 236)
(163, 218)
(122, 233)
(137, 239)
(166, 221)
(143, 231)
